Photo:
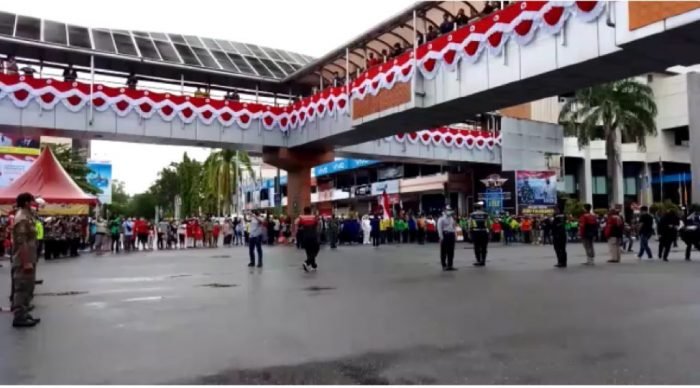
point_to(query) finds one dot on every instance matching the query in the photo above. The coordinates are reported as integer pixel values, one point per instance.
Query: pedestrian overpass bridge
(528, 50)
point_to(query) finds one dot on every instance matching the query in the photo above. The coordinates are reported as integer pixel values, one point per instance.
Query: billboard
(536, 190)
(100, 176)
(19, 140)
(14, 162)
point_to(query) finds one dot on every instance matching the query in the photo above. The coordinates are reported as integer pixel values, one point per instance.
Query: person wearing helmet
(479, 226)
(446, 231)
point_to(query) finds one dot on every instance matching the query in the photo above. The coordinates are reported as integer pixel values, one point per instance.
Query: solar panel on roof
(259, 67)
(210, 44)
(167, 52)
(124, 44)
(147, 48)
(205, 58)
(176, 38)
(241, 48)
(28, 28)
(55, 32)
(187, 55)
(79, 37)
(241, 63)
(193, 41)
(7, 23)
(224, 60)
(278, 73)
(103, 41)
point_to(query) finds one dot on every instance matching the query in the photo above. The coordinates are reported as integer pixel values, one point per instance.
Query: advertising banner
(537, 191)
(14, 162)
(393, 172)
(390, 187)
(100, 176)
(19, 141)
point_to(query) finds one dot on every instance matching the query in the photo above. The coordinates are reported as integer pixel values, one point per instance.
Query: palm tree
(621, 108)
(223, 172)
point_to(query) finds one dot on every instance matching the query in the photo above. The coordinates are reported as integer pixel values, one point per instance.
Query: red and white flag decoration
(451, 137)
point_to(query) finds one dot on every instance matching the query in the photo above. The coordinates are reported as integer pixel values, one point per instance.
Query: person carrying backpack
(614, 229)
(588, 229)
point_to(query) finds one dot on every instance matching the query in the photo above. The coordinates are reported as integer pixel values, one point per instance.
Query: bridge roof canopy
(164, 55)
(395, 29)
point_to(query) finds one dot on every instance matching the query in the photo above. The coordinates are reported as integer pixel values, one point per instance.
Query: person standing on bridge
(479, 226)
(446, 226)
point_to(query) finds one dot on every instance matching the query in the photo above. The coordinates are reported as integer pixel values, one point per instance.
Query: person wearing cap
(446, 232)
(479, 226)
(24, 258)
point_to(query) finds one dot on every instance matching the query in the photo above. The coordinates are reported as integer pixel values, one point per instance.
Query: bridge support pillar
(297, 164)
(694, 130)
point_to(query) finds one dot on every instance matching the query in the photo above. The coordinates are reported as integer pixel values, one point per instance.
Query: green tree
(623, 108)
(75, 164)
(143, 205)
(120, 200)
(166, 188)
(223, 173)
(189, 172)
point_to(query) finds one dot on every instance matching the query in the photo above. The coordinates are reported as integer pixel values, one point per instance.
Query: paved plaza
(368, 316)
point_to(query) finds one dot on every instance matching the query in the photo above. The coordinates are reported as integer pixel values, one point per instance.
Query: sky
(308, 27)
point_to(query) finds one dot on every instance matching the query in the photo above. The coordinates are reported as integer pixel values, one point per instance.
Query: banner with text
(537, 191)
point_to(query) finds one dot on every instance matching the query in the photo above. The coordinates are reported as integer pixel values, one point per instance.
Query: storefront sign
(393, 172)
(341, 165)
(362, 191)
(390, 187)
(424, 184)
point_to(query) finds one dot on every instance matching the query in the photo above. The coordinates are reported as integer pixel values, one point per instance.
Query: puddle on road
(218, 285)
(319, 288)
(62, 293)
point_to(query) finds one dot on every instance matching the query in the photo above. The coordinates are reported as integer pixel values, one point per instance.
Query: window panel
(259, 67)
(630, 186)
(241, 48)
(600, 185)
(176, 38)
(226, 46)
(103, 41)
(187, 55)
(167, 52)
(28, 28)
(147, 48)
(224, 60)
(287, 57)
(79, 37)
(286, 67)
(55, 32)
(159, 36)
(271, 53)
(256, 50)
(273, 68)
(193, 41)
(141, 34)
(241, 63)
(205, 58)
(7, 23)
(211, 44)
(124, 44)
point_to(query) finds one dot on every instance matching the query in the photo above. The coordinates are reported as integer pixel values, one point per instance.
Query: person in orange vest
(526, 229)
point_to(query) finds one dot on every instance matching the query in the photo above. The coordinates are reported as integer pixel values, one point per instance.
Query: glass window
(193, 41)
(79, 37)
(187, 55)
(287, 57)
(630, 186)
(7, 23)
(28, 28)
(273, 68)
(286, 67)
(176, 38)
(271, 53)
(167, 52)
(241, 63)
(103, 41)
(205, 58)
(210, 43)
(226, 46)
(569, 184)
(600, 184)
(256, 51)
(159, 36)
(55, 32)
(259, 67)
(141, 34)
(147, 48)
(224, 60)
(124, 44)
(241, 48)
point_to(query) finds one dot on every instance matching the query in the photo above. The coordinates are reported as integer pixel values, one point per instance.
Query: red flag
(386, 204)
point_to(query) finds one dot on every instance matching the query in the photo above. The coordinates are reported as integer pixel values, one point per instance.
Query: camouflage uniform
(24, 250)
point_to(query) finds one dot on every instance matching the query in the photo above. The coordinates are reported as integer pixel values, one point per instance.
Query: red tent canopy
(47, 179)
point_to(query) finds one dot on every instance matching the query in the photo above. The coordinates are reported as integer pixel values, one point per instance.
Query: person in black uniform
(479, 226)
(558, 230)
(309, 225)
(691, 232)
(668, 232)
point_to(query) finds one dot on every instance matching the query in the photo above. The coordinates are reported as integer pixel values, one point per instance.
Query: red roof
(47, 179)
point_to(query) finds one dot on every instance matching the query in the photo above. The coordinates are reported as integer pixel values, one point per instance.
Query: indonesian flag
(385, 204)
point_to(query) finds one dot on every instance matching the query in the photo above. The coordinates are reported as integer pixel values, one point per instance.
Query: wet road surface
(367, 316)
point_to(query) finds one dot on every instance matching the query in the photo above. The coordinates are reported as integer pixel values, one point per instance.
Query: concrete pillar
(694, 129)
(646, 192)
(298, 165)
(586, 178)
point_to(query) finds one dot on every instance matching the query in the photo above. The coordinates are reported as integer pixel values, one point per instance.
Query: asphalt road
(372, 316)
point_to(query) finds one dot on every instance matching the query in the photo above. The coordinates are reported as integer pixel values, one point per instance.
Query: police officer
(479, 226)
(24, 258)
(446, 230)
(558, 230)
(691, 232)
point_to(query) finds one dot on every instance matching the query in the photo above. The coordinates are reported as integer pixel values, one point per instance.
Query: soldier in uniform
(691, 232)
(479, 226)
(24, 260)
(558, 230)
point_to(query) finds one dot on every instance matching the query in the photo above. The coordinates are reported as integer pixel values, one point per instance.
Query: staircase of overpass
(526, 51)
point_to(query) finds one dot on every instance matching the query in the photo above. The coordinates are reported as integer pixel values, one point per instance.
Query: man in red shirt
(588, 230)
(308, 225)
(614, 228)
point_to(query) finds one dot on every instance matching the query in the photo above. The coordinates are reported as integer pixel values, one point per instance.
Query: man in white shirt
(446, 231)
(255, 238)
(128, 227)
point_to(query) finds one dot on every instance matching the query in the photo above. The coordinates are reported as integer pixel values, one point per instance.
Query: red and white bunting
(451, 137)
